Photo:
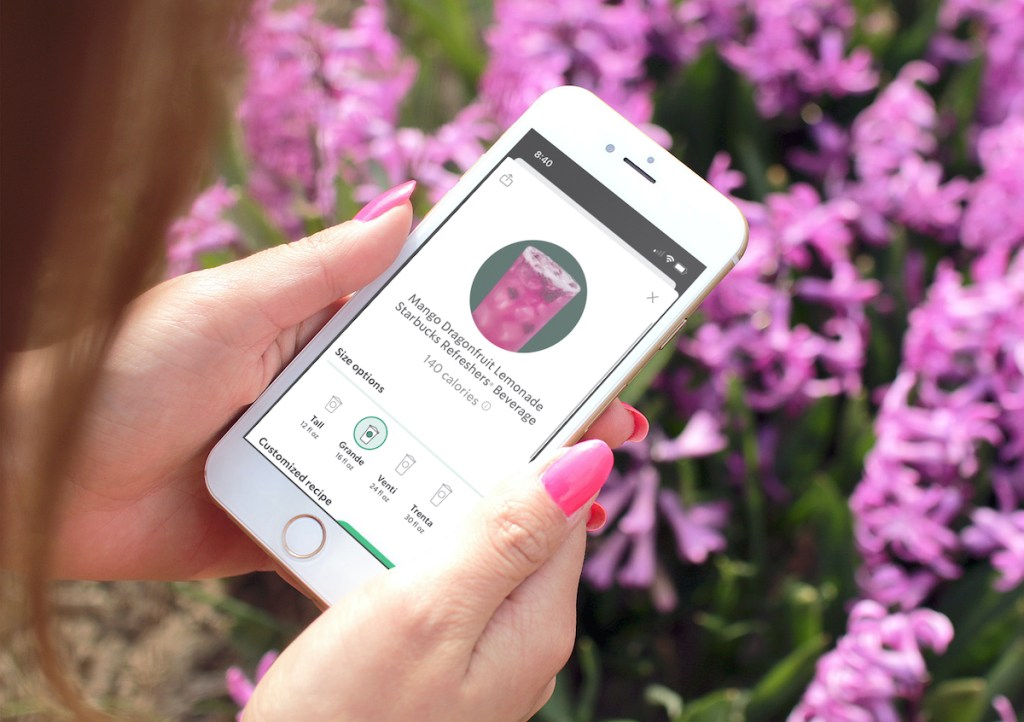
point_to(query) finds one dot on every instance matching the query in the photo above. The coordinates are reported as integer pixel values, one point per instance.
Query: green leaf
(824, 510)
(590, 689)
(257, 229)
(781, 687)
(696, 136)
(805, 447)
(344, 204)
(559, 707)
(805, 607)
(253, 631)
(645, 376)
(313, 224)
(229, 158)
(1007, 675)
(856, 436)
(667, 699)
(986, 623)
(732, 586)
(724, 705)
(958, 700)
(451, 25)
(212, 259)
(563, 707)
(724, 630)
(917, 22)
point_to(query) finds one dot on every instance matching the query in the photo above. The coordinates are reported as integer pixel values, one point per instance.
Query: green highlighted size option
(370, 433)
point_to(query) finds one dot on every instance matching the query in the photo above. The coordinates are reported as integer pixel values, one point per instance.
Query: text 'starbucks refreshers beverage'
(530, 293)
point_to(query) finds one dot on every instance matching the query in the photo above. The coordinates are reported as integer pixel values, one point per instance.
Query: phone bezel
(261, 500)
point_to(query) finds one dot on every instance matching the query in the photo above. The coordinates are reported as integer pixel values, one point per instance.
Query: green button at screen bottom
(366, 544)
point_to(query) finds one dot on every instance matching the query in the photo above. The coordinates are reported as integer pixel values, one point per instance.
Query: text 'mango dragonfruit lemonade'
(530, 293)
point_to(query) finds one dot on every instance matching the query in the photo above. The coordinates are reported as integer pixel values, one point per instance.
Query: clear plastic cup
(529, 294)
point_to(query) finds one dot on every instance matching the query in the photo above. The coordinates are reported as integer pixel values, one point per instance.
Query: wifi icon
(669, 258)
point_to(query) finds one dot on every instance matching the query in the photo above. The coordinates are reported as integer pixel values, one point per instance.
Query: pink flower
(628, 554)
(876, 663)
(701, 437)
(537, 45)
(698, 528)
(202, 230)
(994, 219)
(892, 142)
(796, 51)
(317, 99)
(1004, 709)
(999, 536)
(240, 687)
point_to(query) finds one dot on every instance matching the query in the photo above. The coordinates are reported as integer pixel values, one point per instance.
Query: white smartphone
(520, 306)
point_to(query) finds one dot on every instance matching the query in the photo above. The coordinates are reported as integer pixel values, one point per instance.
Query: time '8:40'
(539, 155)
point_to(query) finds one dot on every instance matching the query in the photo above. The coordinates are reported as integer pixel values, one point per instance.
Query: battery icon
(680, 268)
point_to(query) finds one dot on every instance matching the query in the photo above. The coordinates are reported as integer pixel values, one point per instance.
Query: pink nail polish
(578, 475)
(640, 424)
(387, 200)
(598, 516)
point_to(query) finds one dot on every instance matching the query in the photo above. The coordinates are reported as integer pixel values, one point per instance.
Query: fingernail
(578, 475)
(640, 424)
(598, 516)
(387, 200)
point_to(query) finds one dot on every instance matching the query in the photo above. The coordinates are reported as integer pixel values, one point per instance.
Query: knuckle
(521, 534)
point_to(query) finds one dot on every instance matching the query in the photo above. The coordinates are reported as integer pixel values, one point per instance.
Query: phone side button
(672, 334)
(303, 536)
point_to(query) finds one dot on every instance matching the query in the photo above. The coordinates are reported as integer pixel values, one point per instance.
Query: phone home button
(304, 536)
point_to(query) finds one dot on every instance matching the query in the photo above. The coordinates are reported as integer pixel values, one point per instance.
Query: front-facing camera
(610, 148)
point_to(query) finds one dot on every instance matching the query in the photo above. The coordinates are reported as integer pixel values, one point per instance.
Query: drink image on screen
(529, 294)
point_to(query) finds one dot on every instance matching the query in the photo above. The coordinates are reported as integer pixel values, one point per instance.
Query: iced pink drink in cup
(530, 293)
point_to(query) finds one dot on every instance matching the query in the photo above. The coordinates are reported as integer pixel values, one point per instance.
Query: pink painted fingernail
(578, 475)
(391, 198)
(640, 424)
(598, 516)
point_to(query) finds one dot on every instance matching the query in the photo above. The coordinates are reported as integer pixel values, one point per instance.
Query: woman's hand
(192, 354)
(476, 631)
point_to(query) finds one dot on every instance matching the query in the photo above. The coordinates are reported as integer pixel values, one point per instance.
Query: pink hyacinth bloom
(701, 437)
(1004, 709)
(537, 45)
(795, 51)
(877, 663)
(202, 230)
(240, 688)
(698, 528)
(1001, 537)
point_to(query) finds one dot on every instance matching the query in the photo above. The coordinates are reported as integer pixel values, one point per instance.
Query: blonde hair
(110, 114)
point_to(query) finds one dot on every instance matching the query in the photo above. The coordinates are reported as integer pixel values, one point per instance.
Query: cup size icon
(405, 464)
(333, 404)
(443, 492)
(370, 433)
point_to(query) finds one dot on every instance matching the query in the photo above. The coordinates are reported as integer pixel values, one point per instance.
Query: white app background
(447, 436)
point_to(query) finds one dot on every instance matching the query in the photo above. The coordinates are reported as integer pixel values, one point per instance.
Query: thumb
(520, 525)
(291, 282)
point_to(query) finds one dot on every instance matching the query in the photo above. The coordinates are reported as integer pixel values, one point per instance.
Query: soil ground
(150, 650)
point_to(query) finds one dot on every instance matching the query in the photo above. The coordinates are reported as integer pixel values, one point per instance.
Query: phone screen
(473, 357)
